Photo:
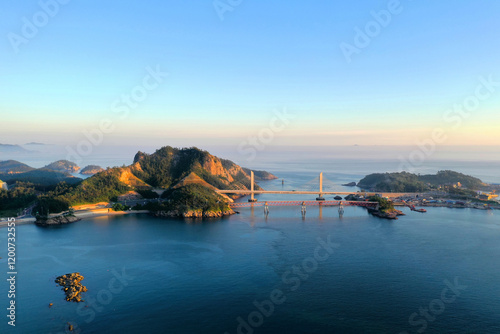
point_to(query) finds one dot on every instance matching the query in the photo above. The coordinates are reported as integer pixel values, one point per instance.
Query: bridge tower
(252, 182)
(320, 197)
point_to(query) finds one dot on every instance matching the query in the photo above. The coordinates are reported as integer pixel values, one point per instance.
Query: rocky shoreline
(386, 215)
(58, 220)
(193, 214)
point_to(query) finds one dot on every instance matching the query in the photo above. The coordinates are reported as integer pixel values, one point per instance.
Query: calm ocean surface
(356, 274)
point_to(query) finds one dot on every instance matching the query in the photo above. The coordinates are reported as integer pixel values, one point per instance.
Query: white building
(3, 185)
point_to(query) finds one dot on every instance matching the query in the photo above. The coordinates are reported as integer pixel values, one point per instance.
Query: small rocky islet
(72, 286)
(350, 184)
(390, 214)
(58, 220)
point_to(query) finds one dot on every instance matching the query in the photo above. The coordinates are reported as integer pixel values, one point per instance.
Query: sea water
(434, 272)
(147, 275)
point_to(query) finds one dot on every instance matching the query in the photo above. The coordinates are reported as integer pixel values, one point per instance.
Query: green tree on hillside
(384, 204)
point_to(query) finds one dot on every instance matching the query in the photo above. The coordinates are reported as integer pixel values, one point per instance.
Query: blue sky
(228, 77)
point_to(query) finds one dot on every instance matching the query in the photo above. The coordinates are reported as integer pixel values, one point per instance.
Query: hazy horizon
(472, 160)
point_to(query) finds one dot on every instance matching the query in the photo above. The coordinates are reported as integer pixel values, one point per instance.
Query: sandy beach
(82, 214)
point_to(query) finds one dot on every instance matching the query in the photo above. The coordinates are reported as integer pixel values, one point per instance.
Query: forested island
(63, 166)
(408, 182)
(442, 187)
(183, 183)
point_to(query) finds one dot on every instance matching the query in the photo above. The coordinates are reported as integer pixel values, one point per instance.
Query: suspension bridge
(252, 191)
(364, 204)
(320, 200)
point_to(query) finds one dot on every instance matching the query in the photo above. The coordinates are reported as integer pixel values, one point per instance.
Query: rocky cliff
(168, 166)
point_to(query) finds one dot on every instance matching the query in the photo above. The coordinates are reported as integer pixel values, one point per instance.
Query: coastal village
(483, 201)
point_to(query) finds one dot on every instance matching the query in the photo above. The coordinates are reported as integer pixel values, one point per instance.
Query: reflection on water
(199, 277)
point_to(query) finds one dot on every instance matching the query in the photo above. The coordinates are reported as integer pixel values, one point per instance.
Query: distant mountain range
(12, 171)
(63, 166)
(7, 148)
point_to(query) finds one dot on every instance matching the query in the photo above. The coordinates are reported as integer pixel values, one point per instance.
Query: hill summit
(189, 179)
(169, 166)
(63, 166)
(14, 167)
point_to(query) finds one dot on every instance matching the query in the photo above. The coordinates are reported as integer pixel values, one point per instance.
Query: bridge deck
(299, 192)
(298, 203)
